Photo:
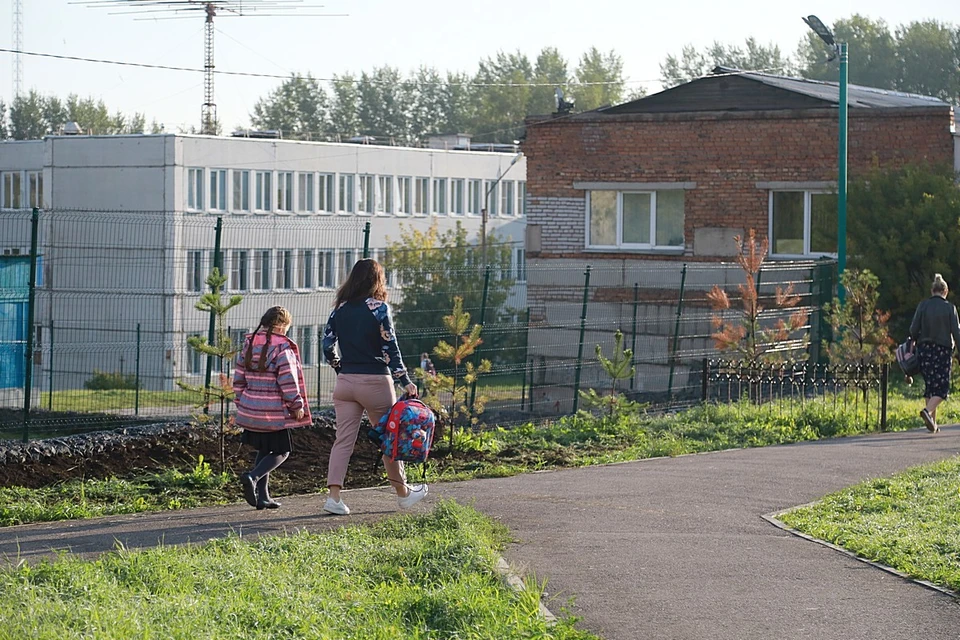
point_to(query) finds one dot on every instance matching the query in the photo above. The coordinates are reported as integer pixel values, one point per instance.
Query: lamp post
(486, 206)
(839, 49)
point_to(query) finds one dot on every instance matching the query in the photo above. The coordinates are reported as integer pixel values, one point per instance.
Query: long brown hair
(366, 280)
(274, 317)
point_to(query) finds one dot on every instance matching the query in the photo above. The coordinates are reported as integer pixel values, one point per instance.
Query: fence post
(319, 361)
(526, 349)
(211, 329)
(884, 384)
(633, 339)
(676, 331)
(366, 240)
(31, 314)
(50, 370)
(583, 327)
(483, 315)
(703, 379)
(136, 393)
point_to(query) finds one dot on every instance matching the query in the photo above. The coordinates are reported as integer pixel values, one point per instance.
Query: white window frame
(326, 269)
(421, 196)
(438, 200)
(195, 188)
(34, 185)
(240, 191)
(284, 270)
(307, 337)
(620, 244)
(405, 195)
(284, 201)
(306, 192)
(263, 202)
(195, 359)
(326, 194)
(385, 194)
(11, 189)
(194, 276)
(457, 187)
(522, 198)
(239, 270)
(346, 193)
(807, 223)
(474, 197)
(366, 194)
(520, 264)
(347, 259)
(262, 275)
(507, 198)
(492, 199)
(218, 189)
(305, 270)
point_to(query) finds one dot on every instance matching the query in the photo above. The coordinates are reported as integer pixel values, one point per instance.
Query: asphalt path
(664, 548)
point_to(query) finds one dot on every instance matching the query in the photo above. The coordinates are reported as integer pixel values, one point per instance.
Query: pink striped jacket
(267, 399)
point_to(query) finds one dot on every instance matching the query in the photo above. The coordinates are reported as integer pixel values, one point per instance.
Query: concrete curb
(773, 518)
(515, 582)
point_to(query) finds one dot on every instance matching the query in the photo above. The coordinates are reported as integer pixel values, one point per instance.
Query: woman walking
(368, 367)
(936, 331)
(271, 399)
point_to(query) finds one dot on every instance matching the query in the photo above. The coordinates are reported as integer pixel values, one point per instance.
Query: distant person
(936, 330)
(271, 399)
(368, 367)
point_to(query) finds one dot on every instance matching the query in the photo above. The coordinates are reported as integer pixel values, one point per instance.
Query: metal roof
(857, 95)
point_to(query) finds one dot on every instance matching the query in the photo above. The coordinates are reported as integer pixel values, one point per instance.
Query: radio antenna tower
(18, 47)
(210, 9)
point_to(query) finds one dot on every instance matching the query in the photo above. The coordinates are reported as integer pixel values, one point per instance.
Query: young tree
(434, 267)
(222, 348)
(619, 368)
(298, 108)
(859, 328)
(745, 335)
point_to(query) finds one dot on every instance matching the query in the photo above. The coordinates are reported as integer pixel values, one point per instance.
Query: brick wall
(725, 154)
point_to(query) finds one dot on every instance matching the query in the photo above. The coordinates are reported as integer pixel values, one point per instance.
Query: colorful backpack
(406, 432)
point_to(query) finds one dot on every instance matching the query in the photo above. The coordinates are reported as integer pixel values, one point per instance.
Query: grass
(86, 400)
(430, 576)
(908, 522)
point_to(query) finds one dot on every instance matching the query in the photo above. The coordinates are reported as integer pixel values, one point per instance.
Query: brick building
(650, 193)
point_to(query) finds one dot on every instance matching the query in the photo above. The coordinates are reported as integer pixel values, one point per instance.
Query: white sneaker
(336, 507)
(417, 493)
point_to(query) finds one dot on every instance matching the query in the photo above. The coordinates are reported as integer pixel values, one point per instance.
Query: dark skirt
(935, 369)
(268, 441)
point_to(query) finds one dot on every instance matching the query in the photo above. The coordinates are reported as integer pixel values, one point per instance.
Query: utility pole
(18, 47)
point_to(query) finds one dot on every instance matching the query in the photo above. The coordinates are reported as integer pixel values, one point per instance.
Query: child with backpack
(368, 366)
(271, 399)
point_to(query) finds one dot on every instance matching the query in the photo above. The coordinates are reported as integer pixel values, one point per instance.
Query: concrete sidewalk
(665, 548)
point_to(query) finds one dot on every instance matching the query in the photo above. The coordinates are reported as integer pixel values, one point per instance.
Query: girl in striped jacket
(271, 399)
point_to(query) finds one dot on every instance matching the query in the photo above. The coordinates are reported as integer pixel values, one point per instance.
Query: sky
(445, 34)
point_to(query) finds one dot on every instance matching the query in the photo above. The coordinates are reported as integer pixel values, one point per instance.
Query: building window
(326, 276)
(522, 198)
(195, 270)
(238, 271)
(263, 201)
(305, 189)
(456, 196)
(237, 337)
(404, 196)
(195, 189)
(520, 264)
(35, 189)
(346, 193)
(305, 269)
(218, 189)
(346, 263)
(440, 196)
(635, 220)
(305, 340)
(385, 194)
(325, 198)
(506, 198)
(421, 195)
(490, 197)
(284, 269)
(803, 223)
(261, 269)
(195, 359)
(241, 191)
(10, 194)
(368, 194)
(474, 197)
(285, 191)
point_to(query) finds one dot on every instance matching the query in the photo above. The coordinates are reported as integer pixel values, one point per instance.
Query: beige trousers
(353, 394)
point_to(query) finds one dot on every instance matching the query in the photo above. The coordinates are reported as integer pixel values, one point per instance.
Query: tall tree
(503, 93)
(605, 71)
(381, 104)
(693, 64)
(873, 53)
(550, 71)
(928, 54)
(343, 113)
(3, 121)
(28, 117)
(427, 95)
(458, 102)
(298, 108)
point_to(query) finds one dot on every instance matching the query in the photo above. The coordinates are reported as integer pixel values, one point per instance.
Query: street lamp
(486, 204)
(839, 48)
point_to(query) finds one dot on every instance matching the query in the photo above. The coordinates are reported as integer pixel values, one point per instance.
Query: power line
(252, 74)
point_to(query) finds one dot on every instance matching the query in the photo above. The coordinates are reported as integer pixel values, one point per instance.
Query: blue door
(14, 295)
